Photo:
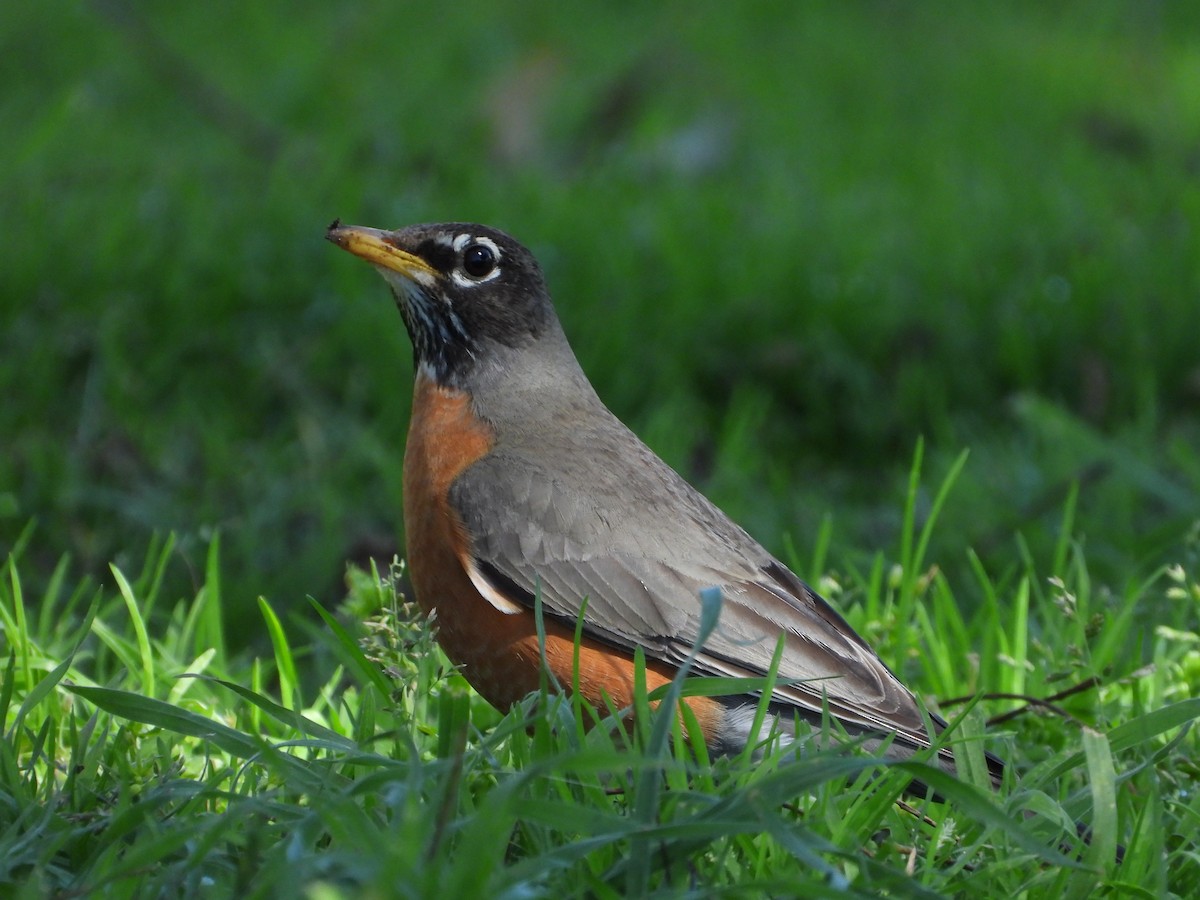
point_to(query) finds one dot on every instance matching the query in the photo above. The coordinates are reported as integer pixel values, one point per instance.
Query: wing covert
(641, 571)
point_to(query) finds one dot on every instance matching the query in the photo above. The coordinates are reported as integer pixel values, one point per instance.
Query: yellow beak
(375, 247)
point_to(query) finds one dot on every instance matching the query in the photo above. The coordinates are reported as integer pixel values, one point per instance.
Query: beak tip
(334, 233)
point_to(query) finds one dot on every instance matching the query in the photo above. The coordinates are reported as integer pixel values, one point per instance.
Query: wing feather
(642, 566)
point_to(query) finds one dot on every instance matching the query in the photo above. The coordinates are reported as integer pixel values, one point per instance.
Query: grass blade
(145, 656)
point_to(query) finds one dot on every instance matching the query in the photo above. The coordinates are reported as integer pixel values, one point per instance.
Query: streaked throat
(440, 340)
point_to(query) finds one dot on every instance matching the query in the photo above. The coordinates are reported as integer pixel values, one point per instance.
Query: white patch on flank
(490, 593)
(737, 729)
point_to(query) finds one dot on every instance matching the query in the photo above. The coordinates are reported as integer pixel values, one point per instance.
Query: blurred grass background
(786, 240)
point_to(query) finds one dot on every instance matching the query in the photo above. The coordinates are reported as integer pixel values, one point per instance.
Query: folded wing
(641, 569)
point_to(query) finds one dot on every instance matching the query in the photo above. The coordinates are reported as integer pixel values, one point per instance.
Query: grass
(142, 761)
(789, 244)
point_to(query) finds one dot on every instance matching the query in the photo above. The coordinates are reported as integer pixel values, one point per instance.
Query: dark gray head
(462, 289)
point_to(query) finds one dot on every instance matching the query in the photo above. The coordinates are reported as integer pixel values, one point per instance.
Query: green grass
(143, 760)
(789, 243)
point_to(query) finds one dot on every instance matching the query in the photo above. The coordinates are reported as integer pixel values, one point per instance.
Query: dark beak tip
(334, 233)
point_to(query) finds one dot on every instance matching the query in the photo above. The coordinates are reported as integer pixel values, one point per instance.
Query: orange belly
(497, 651)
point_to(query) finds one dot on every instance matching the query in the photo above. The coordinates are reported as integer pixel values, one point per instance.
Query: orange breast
(498, 651)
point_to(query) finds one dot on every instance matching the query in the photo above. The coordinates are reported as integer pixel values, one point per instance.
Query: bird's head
(462, 289)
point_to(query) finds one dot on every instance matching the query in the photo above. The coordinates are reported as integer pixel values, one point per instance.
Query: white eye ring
(463, 243)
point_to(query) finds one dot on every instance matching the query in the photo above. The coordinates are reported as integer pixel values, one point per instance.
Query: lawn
(911, 291)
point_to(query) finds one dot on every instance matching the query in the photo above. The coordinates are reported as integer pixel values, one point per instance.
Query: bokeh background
(787, 240)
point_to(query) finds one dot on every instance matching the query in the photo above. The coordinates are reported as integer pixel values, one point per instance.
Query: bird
(520, 486)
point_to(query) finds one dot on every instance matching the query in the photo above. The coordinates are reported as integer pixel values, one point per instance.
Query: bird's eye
(479, 260)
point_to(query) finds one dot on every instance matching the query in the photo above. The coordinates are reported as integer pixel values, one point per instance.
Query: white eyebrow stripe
(461, 241)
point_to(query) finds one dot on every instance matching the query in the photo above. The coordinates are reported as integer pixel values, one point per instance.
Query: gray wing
(642, 565)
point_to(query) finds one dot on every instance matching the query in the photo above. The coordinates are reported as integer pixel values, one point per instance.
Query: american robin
(518, 479)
